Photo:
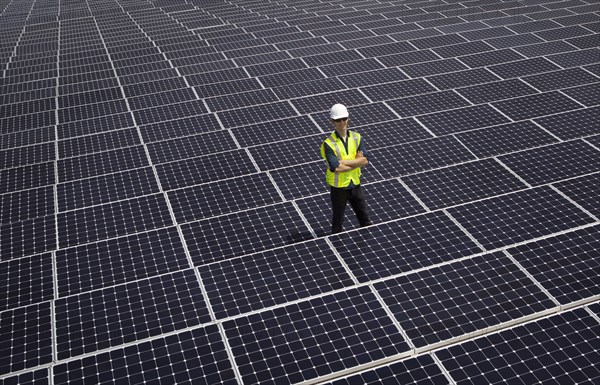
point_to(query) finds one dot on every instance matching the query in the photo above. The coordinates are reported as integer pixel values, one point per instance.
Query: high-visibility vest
(342, 179)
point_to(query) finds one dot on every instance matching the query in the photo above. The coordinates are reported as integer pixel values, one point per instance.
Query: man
(345, 155)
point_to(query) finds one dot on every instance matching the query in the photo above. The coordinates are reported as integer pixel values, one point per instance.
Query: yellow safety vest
(342, 179)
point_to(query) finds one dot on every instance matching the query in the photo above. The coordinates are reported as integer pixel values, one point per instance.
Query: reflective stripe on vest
(338, 153)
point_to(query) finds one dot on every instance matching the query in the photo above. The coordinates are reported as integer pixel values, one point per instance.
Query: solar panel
(462, 183)
(564, 264)
(237, 286)
(519, 216)
(557, 349)
(165, 216)
(419, 370)
(330, 333)
(197, 356)
(461, 298)
(563, 160)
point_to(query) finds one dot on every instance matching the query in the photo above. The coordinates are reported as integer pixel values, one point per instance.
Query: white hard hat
(338, 111)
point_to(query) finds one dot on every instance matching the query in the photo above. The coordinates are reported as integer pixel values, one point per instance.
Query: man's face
(340, 124)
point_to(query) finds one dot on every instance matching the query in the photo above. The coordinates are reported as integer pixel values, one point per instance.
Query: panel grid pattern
(165, 215)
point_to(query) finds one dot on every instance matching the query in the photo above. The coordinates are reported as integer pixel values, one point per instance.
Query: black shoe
(366, 224)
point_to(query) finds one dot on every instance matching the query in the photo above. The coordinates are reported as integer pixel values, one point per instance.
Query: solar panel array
(165, 219)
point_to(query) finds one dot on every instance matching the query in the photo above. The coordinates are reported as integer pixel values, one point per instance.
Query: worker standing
(345, 154)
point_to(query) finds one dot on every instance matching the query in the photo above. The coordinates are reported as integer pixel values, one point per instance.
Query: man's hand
(359, 154)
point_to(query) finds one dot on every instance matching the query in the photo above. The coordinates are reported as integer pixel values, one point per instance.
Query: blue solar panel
(26, 333)
(462, 119)
(214, 199)
(419, 370)
(115, 261)
(26, 281)
(488, 92)
(419, 156)
(330, 333)
(565, 264)
(106, 221)
(560, 161)
(26, 204)
(128, 313)
(38, 377)
(572, 124)
(403, 245)
(161, 183)
(273, 277)
(196, 356)
(505, 138)
(462, 183)
(519, 217)
(271, 226)
(456, 300)
(559, 349)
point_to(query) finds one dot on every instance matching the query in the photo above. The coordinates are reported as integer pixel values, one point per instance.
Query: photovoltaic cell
(256, 114)
(245, 232)
(463, 119)
(400, 246)
(205, 168)
(93, 126)
(112, 220)
(22, 239)
(197, 356)
(556, 80)
(332, 333)
(587, 95)
(240, 285)
(409, 158)
(363, 114)
(128, 312)
(554, 162)
(112, 262)
(399, 89)
(573, 124)
(26, 281)
(169, 112)
(565, 264)
(26, 333)
(419, 370)
(584, 190)
(523, 68)
(302, 180)
(556, 349)
(26, 204)
(26, 137)
(316, 103)
(106, 188)
(396, 131)
(432, 102)
(179, 128)
(489, 92)
(38, 377)
(27, 122)
(518, 217)
(190, 146)
(505, 138)
(96, 143)
(462, 183)
(306, 150)
(255, 81)
(461, 298)
(214, 199)
(101, 163)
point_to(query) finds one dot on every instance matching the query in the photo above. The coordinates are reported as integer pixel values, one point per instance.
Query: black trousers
(339, 198)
